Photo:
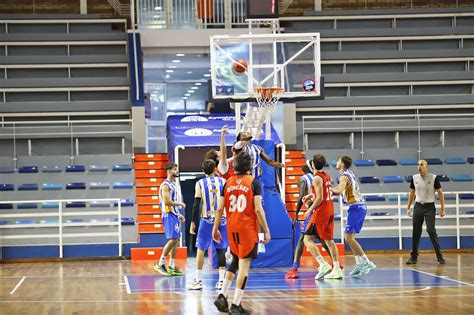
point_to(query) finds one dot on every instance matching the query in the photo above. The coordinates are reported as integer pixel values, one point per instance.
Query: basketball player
(321, 224)
(207, 192)
(304, 187)
(225, 167)
(170, 198)
(242, 200)
(348, 188)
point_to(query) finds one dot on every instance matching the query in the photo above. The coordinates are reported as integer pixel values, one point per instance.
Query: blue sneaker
(366, 268)
(356, 270)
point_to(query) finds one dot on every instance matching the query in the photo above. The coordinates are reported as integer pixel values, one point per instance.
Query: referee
(423, 186)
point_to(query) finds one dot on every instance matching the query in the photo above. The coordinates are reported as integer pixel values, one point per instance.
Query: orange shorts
(243, 250)
(324, 231)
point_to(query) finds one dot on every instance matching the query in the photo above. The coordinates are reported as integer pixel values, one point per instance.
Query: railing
(387, 122)
(400, 217)
(281, 172)
(60, 215)
(182, 14)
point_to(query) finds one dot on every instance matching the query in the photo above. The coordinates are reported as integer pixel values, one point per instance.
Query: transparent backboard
(287, 61)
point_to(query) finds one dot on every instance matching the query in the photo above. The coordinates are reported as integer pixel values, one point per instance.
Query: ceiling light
(187, 94)
(191, 91)
(189, 72)
(176, 61)
(179, 55)
(172, 67)
(167, 76)
(194, 88)
(157, 8)
(184, 98)
(170, 71)
(207, 75)
(198, 83)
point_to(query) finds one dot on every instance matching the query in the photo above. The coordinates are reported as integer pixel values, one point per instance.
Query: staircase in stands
(294, 161)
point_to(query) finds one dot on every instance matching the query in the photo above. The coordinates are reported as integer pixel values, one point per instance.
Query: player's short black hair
(208, 166)
(211, 155)
(170, 166)
(306, 169)
(318, 161)
(346, 160)
(242, 163)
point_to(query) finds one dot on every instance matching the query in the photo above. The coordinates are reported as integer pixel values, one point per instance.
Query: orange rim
(267, 93)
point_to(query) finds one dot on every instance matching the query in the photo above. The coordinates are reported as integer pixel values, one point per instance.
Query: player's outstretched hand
(216, 236)
(192, 228)
(224, 130)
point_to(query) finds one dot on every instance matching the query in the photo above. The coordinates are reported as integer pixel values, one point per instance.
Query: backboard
(287, 61)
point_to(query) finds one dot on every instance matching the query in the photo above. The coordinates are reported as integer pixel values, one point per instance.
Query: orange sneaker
(292, 274)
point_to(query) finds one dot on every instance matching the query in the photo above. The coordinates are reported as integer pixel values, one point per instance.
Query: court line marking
(444, 277)
(127, 284)
(17, 286)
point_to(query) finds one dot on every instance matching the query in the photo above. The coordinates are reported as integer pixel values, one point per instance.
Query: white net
(267, 98)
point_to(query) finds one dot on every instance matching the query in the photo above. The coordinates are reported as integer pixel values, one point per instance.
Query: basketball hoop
(267, 97)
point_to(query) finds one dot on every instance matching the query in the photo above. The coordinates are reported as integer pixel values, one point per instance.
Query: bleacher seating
(51, 169)
(24, 187)
(75, 169)
(408, 162)
(369, 180)
(363, 163)
(386, 162)
(99, 185)
(461, 178)
(455, 160)
(392, 179)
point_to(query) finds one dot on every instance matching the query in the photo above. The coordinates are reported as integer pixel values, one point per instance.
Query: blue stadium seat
(122, 167)
(126, 221)
(406, 162)
(123, 185)
(99, 220)
(470, 212)
(52, 186)
(5, 222)
(28, 187)
(28, 169)
(461, 178)
(443, 178)
(74, 221)
(100, 204)
(7, 187)
(369, 180)
(75, 186)
(6, 170)
(75, 204)
(466, 196)
(392, 179)
(375, 198)
(434, 161)
(51, 169)
(334, 163)
(98, 168)
(27, 206)
(380, 214)
(25, 222)
(50, 205)
(408, 178)
(455, 160)
(364, 163)
(99, 185)
(125, 203)
(394, 198)
(75, 169)
(337, 217)
(447, 197)
(470, 160)
(386, 162)
(6, 206)
(49, 221)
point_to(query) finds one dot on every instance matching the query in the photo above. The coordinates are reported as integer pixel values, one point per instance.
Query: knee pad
(234, 265)
(220, 257)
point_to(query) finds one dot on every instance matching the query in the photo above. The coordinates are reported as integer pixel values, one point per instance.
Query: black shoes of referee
(413, 260)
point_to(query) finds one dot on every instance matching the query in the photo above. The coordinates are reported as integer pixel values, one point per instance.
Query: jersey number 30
(239, 203)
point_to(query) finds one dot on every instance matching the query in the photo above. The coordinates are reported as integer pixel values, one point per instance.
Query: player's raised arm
(223, 165)
(343, 183)
(268, 160)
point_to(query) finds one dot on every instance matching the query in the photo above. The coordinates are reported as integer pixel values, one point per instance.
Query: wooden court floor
(125, 287)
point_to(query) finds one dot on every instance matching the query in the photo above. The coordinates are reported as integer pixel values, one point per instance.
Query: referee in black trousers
(423, 187)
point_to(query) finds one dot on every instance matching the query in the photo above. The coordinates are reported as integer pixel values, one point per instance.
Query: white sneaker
(219, 285)
(197, 285)
(323, 270)
(336, 273)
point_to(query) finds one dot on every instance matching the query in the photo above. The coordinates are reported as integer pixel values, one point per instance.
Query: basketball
(239, 66)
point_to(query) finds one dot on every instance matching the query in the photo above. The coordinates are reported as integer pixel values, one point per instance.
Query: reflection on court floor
(275, 280)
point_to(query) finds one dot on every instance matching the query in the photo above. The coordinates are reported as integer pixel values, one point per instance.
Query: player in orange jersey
(242, 201)
(322, 222)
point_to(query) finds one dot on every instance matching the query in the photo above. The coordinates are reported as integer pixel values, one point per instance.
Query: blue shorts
(204, 235)
(172, 225)
(305, 223)
(355, 218)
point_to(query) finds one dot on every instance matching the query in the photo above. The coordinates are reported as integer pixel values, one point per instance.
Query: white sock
(162, 260)
(198, 275)
(358, 260)
(221, 274)
(320, 260)
(335, 264)
(225, 287)
(238, 296)
(364, 258)
(172, 263)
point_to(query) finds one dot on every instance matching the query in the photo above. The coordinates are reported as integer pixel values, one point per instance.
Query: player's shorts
(355, 218)
(305, 223)
(324, 231)
(204, 235)
(172, 225)
(244, 250)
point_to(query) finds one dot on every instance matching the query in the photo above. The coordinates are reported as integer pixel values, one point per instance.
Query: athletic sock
(162, 261)
(320, 260)
(221, 274)
(239, 293)
(335, 264)
(358, 260)
(225, 287)
(198, 275)
(172, 263)
(364, 258)
(295, 265)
